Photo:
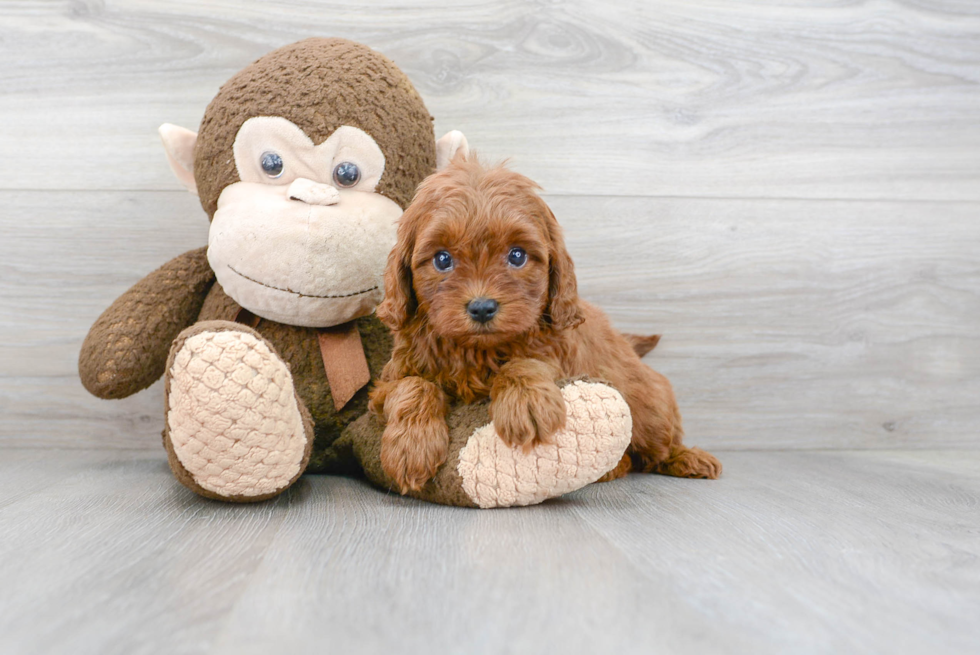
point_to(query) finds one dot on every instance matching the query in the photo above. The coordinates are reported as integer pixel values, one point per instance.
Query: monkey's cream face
(303, 239)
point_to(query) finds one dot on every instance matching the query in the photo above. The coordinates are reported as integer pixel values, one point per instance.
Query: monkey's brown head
(304, 162)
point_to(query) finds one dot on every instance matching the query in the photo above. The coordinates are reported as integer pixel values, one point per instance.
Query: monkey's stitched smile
(299, 293)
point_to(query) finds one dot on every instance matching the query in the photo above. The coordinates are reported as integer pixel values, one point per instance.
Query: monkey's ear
(451, 144)
(179, 143)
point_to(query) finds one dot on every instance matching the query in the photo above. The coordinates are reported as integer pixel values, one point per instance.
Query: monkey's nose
(482, 309)
(313, 193)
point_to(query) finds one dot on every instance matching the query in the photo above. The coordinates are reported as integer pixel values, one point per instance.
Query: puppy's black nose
(482, 309)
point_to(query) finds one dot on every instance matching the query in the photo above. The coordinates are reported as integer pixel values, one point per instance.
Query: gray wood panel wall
(789, 192)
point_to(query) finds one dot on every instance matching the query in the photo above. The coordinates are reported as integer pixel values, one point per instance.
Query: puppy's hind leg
(687, 462)
(657, 433)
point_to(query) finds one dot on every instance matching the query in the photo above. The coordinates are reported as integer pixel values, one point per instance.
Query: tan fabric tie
(344, 361)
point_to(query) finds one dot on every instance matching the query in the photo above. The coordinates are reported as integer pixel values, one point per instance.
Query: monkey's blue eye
(271, 164)
(517, 257)
(346, 174)
(443, 261)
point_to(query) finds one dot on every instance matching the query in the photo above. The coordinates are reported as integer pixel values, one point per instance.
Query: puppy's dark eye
(517, 257)
(271, 164)
(346, 174)
(443, 261)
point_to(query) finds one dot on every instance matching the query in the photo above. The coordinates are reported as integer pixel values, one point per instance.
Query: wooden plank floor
(791, 552)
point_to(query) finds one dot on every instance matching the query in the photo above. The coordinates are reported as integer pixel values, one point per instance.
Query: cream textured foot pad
(233, 418)
(597, 433)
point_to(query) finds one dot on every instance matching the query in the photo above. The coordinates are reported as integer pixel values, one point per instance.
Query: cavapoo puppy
(480, 294)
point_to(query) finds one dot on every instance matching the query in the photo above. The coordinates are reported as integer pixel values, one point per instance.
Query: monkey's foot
(598, 430)
(483, 471)
(235, 429)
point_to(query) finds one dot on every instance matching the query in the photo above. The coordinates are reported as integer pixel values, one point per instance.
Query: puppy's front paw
(528, 416)
(412, 451)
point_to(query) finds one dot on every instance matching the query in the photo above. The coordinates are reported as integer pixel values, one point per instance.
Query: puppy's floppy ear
(399, 303)
(563, 310)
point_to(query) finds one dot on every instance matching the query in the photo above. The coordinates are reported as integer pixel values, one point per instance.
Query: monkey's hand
(126, 349)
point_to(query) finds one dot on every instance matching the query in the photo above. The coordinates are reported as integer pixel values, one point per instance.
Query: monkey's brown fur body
(542, 332)
(126, 349)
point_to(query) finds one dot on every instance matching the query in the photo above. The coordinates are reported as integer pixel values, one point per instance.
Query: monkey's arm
(126, 349)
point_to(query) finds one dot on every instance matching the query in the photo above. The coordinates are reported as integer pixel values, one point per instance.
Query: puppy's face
(480, 257)
(481, 276)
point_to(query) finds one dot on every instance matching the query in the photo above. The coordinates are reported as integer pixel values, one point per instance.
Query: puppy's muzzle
(482, 310)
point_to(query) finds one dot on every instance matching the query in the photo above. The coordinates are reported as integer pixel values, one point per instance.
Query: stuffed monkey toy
(266, 338)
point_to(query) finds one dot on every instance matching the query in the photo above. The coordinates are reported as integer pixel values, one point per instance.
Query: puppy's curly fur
(474, 218)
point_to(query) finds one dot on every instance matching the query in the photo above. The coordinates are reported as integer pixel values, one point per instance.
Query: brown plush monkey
(266, 338)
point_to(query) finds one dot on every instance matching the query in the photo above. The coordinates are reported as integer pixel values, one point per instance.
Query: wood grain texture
(64, 257)
(789, 552)
(848, 322)
(840, 543)
(115, 558)
(824, 99)
(787, 324)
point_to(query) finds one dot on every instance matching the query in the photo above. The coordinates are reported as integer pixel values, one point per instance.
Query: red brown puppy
(480, 294)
